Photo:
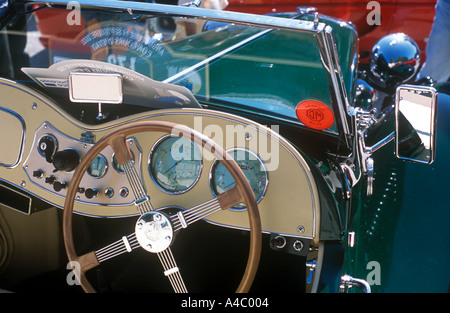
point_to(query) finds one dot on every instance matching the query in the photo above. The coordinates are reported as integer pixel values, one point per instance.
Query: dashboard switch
(278, 242)
(50, 180)
(91, 193)
(58, 186)
(38, 173)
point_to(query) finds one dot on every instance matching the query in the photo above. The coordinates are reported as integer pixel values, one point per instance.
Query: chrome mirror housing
(415, 123)
(394, 60)
(95, 88)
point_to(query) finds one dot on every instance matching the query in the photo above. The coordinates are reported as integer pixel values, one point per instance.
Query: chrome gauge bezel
(153, 150)
(115, 164)
(105, 163)
(262, 163)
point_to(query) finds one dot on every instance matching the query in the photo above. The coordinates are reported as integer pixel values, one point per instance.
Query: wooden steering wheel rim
(116, 139)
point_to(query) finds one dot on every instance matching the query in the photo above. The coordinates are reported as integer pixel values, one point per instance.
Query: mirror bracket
(363, 153)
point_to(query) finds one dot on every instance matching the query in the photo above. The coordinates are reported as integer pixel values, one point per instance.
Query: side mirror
(415, 123)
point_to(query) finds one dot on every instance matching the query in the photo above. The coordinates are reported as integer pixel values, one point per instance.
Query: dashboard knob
(38, 173)
(91, 193)
(50, 180)
(278, 242)
(66, 160)
(58, 186)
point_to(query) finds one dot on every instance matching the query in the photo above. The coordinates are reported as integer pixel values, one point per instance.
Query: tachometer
(175, 164)
(253, 168)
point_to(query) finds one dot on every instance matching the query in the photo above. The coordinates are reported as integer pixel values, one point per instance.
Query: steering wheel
(155, 230)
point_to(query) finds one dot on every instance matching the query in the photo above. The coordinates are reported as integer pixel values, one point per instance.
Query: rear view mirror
(95, 87)
(415, 123)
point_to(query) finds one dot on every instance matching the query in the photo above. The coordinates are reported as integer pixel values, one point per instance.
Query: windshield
(264, 71)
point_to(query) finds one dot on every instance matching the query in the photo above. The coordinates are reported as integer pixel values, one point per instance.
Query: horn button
(154, 232)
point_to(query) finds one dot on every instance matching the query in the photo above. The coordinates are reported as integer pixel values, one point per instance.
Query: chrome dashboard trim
(22, 142)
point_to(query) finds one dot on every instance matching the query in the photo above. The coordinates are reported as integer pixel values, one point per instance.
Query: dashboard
(45, 144)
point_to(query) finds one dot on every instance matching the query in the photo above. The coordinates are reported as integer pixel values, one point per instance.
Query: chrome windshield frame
(322, 32)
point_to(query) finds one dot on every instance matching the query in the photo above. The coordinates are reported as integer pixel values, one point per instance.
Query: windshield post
(329, 55)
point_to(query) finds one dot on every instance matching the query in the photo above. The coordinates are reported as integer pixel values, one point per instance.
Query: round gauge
(118, 167)
(175, 164)
(253, 168)
(98, 166)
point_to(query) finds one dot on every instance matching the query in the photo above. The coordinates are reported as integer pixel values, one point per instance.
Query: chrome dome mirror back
(395, 60)
(415, 123)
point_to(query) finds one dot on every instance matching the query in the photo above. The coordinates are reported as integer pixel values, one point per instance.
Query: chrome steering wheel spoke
(171, 271)
(125, 244)
(142, 201)
(184, 218)
(222, 202)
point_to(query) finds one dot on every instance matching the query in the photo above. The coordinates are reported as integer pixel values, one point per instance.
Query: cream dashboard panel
(290, 200)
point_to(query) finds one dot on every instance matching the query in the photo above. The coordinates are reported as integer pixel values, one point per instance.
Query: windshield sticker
(53, 82)
(315, 114)
(127, 45)
(123, 36)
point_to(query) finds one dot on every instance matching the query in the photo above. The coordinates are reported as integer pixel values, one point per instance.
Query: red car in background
(412, 17)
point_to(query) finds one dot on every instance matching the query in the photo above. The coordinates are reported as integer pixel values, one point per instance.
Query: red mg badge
(315, 114)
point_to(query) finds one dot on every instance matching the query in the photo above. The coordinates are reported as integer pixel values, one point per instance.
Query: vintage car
(250, 155)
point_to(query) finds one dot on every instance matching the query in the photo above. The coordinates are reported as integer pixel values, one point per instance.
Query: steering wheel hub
(154, 232)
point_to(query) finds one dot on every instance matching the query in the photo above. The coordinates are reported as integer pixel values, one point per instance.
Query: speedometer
(253, 168)
(175, 164)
